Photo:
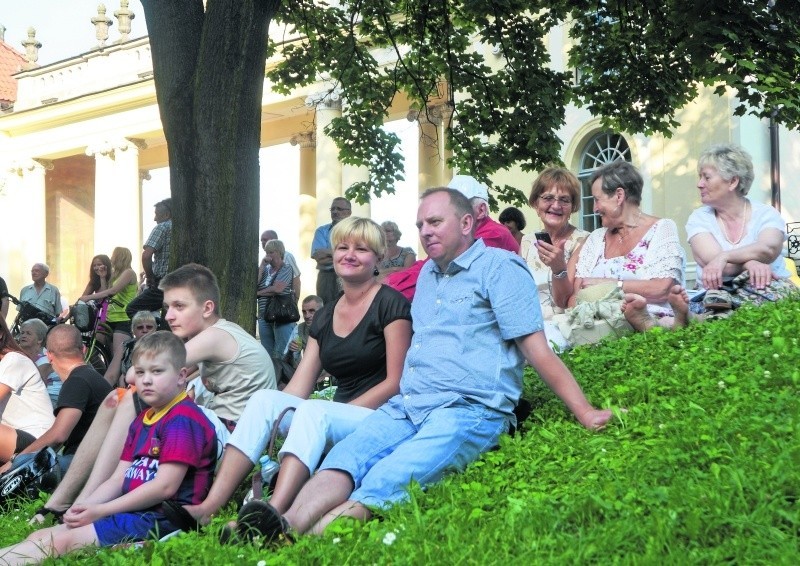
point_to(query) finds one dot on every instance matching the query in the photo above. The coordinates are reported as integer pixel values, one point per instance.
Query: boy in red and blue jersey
(169, 455)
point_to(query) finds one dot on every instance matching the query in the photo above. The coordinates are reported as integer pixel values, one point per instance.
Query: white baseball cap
(469, 187)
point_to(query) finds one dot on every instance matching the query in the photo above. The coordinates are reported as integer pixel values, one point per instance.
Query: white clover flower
(261, 563)
(336, 540)
(389, 538)
(767, 373)
(721, 384)
(767, 334)
(776, 355)
(662, 425)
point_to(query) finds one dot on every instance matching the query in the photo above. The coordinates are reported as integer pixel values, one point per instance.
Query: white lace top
(657, 255)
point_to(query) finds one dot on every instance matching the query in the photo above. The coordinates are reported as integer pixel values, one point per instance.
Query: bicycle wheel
(98, 357)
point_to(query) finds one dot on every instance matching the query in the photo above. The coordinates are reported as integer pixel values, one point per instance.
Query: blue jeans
(274, 337)
(384, 455)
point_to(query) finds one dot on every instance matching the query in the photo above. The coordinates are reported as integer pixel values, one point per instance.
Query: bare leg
(81, 466)
(323, 494)
(352, 509)
(8, 442)
(679, 301)
(112, 373)
(111, 446)
(293, 476)
(50, 542)
(634, 307)
(232, 470)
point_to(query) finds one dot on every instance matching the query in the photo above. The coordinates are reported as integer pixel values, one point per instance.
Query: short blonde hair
(161, 342)
(275, 246)
(359, 229)
(730, 160)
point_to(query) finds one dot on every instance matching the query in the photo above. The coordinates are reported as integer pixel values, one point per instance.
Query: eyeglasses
(550, 199)
(338, 209)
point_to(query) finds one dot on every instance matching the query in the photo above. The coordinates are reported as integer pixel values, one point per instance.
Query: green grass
(704, 468)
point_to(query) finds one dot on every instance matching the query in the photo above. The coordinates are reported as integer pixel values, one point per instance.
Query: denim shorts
(385, 454)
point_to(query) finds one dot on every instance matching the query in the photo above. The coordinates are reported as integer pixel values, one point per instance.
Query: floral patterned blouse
(541, 273)
(657, 255)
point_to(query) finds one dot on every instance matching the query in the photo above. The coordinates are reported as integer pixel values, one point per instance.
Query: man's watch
(560, 275)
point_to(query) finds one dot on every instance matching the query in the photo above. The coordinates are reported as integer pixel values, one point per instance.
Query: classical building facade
(83, 158)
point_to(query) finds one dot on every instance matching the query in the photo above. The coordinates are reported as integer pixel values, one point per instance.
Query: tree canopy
(638, 63)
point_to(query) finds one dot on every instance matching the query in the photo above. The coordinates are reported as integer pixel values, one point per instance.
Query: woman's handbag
(281, 309)
(598, 314)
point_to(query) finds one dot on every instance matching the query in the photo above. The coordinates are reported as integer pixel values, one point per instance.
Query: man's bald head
(64, 341)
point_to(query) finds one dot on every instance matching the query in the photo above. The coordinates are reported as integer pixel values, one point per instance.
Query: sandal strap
(45, 511)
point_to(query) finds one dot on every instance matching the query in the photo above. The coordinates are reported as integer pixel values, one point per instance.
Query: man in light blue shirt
(40, 293)
(321, 251)
(461, 380)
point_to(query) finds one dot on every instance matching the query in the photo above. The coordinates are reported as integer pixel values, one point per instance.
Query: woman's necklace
(630, 227)
(741, 230)
(360, 301)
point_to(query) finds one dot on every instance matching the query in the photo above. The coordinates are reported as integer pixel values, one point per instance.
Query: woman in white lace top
(638, 252)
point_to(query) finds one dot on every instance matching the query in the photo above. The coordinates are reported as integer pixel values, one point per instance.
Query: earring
(376, 272)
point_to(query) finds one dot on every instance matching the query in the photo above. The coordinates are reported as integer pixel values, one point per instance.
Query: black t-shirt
(3, 288)
(84, 390)
(358, 361)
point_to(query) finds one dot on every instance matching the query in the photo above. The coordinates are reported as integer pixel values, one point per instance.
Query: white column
(28, 213)
(328, 171)
(117, 203)
(307, 143)
(433, 152)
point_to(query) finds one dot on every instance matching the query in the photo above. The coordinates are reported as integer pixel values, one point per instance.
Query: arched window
(603, 148)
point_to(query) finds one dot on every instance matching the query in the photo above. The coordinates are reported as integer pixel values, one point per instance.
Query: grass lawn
(704, 468)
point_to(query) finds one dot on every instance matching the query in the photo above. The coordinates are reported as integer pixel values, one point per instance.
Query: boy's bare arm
(109, 489)
(210, 345)
(162, 487)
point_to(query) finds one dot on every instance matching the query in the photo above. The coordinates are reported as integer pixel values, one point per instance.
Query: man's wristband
(560, 274)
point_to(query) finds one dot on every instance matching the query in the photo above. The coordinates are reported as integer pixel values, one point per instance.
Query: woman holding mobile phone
(552, 253)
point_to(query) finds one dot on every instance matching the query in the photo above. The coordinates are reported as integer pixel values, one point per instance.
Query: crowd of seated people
(414, 398)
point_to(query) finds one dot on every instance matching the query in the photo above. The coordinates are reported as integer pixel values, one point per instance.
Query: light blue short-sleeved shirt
(465, 321)
(322, 240)
(48, 300)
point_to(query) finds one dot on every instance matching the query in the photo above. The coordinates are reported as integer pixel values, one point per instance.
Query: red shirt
(493, 234)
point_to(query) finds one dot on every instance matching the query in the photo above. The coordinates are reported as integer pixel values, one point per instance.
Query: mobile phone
(543, 237)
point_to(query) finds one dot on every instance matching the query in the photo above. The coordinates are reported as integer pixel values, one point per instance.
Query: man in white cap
(493, 234)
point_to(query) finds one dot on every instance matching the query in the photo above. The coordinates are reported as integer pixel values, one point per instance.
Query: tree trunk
(208, 69)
